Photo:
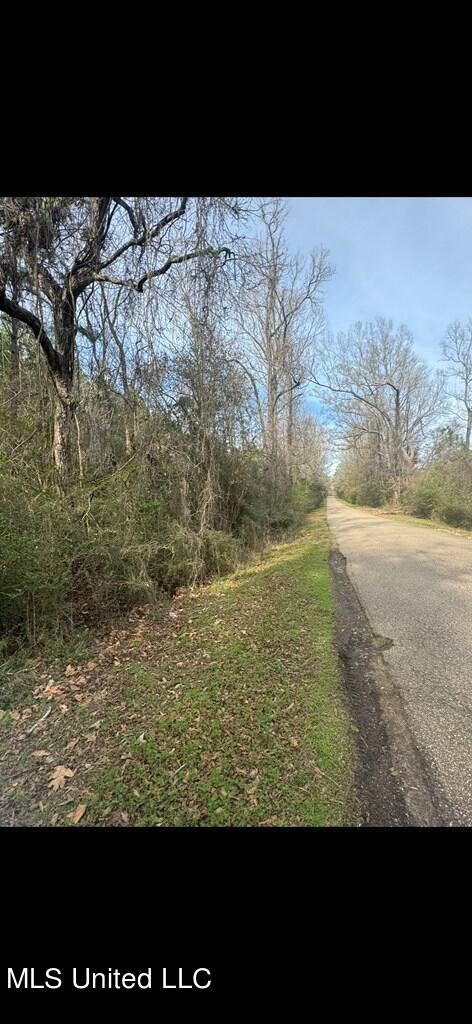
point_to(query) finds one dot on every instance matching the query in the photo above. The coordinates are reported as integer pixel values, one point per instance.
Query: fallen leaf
(40, 753)
(70, 671)
(15, 715)
(96, 725)
(54, 818)
(293, 742)
(124, 817)
(141, 738)
(78, 813)
(58, 777)
(51, 690)
(90, 666)
(81, 680)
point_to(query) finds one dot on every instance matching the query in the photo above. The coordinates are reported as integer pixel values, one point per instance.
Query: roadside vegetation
(439, 493)
(226, 708)
(166, 656)
(166, 647)
(153, 432)
(396, 450)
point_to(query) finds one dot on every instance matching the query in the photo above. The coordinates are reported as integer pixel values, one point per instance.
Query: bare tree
(310, 449)
(56, 250)
(382, 395)
(279, 317)
(457, 353)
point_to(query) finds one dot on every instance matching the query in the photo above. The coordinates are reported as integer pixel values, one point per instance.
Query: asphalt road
(415, 584)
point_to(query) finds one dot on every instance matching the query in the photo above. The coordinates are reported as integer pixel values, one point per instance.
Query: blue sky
(408, 259)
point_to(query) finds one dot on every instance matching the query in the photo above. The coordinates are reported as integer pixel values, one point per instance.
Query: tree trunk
(14, 369)
(468, 432)
(290, 416)
(272, 433)
(129, 399)
(128, 441)
(62, 371)
(397, 451)
(130, 421)
(63, 439)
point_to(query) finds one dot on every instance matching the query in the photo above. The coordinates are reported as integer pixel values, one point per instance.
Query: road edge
(394, 786)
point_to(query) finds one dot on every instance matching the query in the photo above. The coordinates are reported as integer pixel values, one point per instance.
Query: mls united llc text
(85, 978)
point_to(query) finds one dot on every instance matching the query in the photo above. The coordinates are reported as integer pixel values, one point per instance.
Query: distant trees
(457, 354)
(384, 399)
(392, 422)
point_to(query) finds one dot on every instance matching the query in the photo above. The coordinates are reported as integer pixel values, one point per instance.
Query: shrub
(420, 501)
(306, 496)
(364, 492)
(80, 558)
(282, 520)
(455, 515)
(372, 493)
(221, 552)
(444, 491)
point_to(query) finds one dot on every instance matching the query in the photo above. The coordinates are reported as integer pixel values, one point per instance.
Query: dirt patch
(393, 782)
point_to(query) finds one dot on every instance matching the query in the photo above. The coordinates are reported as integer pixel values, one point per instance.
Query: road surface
(415, 584)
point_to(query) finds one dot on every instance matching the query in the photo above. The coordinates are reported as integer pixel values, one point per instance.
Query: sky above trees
(406, 258)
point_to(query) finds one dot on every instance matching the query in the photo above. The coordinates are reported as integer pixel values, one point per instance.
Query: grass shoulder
(405, 517)
(229, 710)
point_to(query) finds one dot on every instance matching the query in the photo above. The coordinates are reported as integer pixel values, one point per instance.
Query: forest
(154, 358)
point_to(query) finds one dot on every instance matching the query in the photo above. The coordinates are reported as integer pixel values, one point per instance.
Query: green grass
(434, 524)
(230, 714)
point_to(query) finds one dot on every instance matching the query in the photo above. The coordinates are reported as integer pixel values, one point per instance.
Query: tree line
(402, 429)
(155, 354)
(159, 357)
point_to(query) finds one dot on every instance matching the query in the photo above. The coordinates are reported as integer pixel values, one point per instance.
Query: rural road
(415, 584)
